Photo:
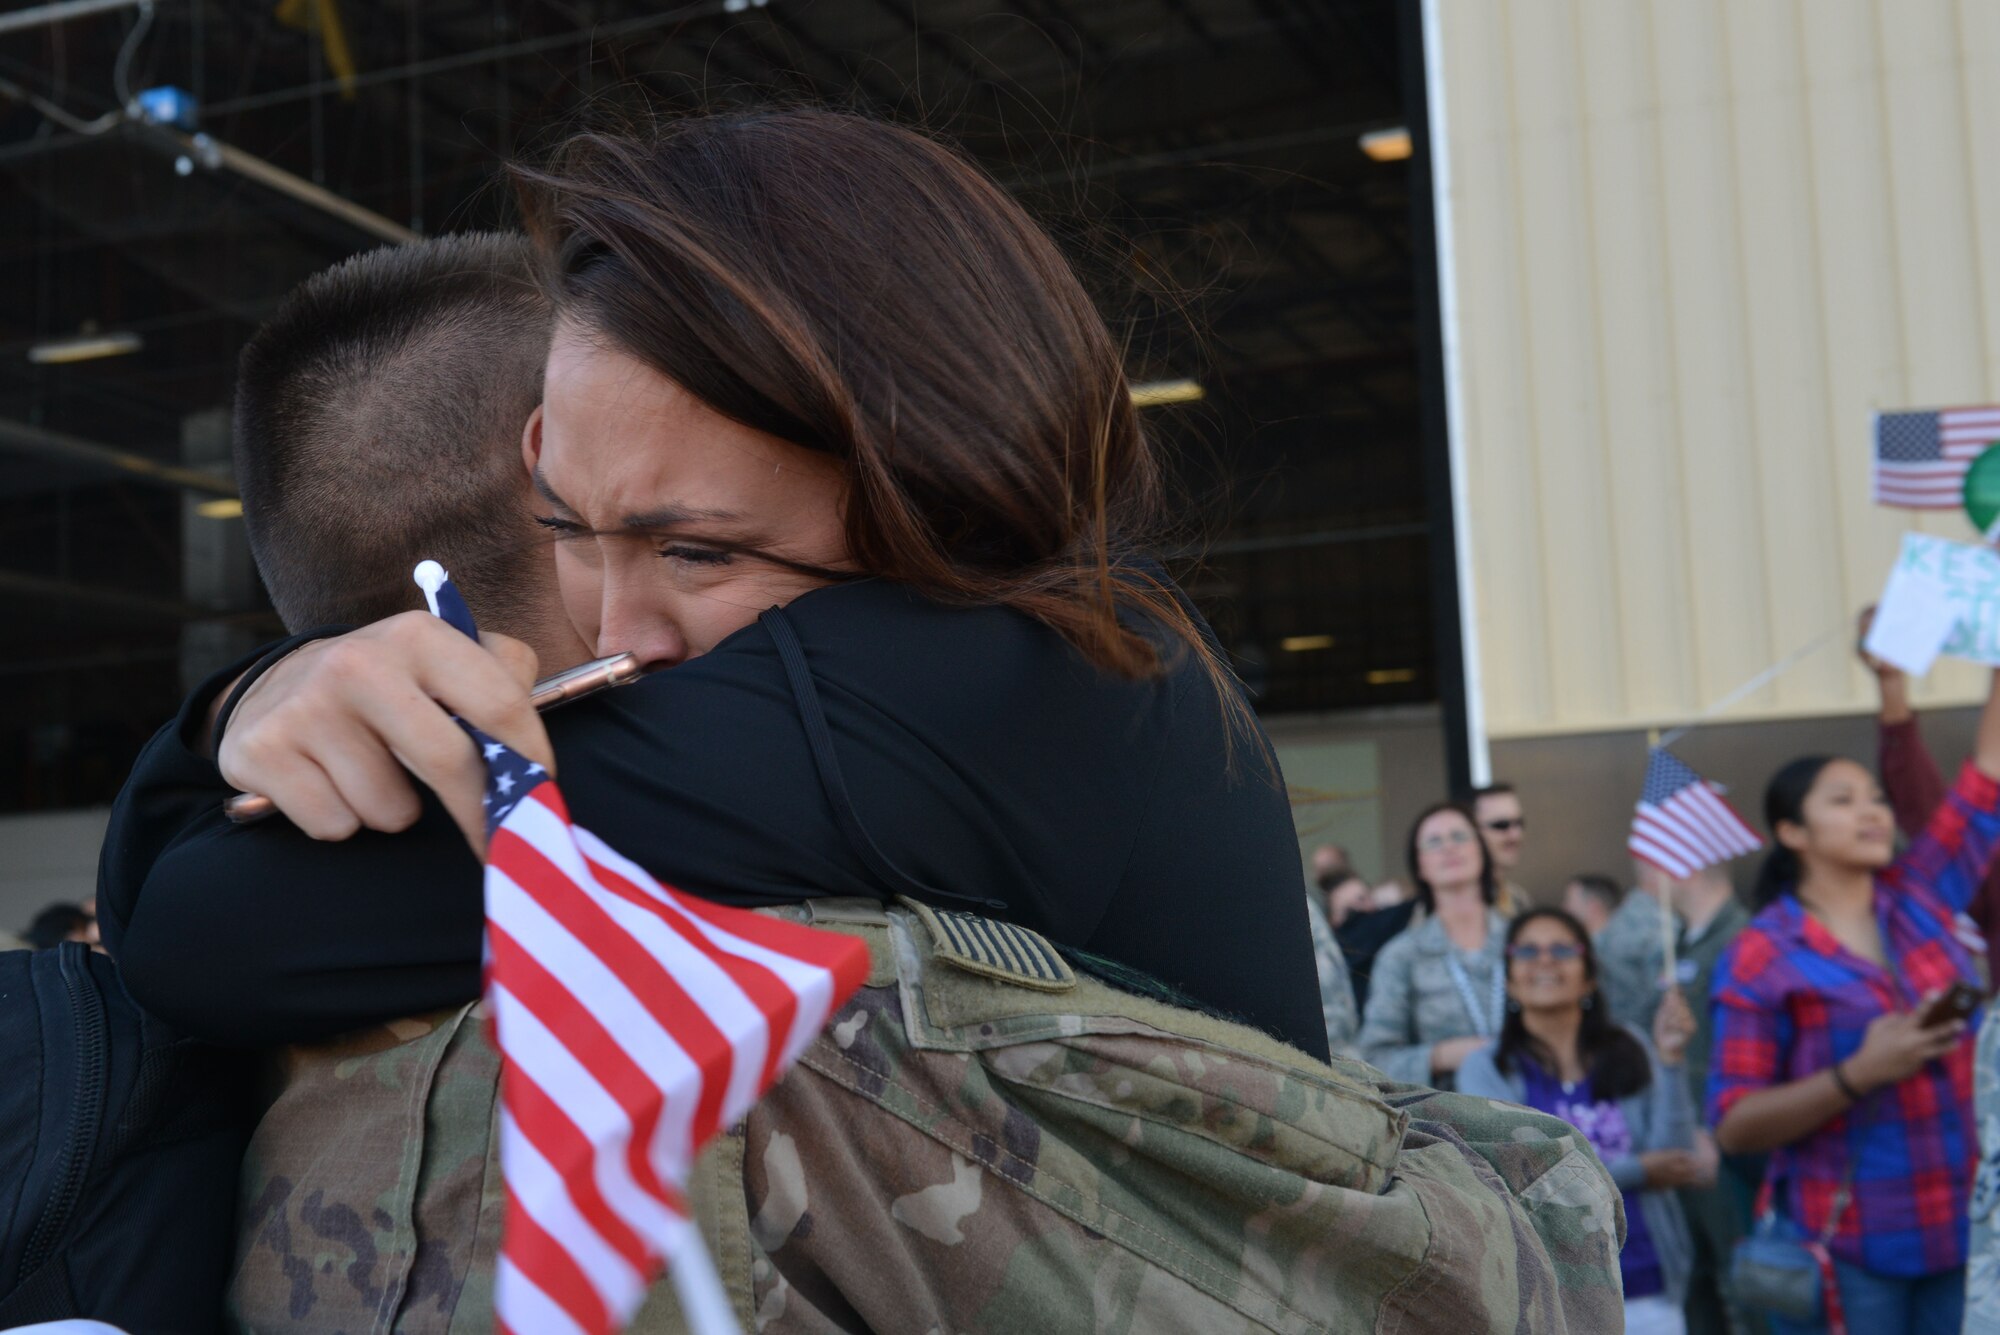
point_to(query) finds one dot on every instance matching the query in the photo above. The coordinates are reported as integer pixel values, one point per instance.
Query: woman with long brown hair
(834, 441)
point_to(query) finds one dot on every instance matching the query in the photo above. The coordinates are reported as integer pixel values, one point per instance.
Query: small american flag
(1683, 823)
(633, 1022)
(1921, 457)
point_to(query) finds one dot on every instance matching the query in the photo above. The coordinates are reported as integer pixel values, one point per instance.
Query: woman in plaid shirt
(1820, 1056)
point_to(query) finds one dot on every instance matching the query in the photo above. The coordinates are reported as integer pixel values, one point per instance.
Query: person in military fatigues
(1632, 950)
(981, 1140)
(1982, 1265)
(1336, 987)
(1717, 1214)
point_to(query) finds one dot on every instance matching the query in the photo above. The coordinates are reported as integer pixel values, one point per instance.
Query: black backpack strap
(820, 737)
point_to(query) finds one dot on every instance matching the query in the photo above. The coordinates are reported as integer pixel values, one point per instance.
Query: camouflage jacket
(976, 1145)
(1982, 1264)
(1336, 990)
(1414, 1000)
(1632, 959)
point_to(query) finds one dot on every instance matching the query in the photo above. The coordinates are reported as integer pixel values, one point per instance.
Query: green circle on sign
(1982, 489)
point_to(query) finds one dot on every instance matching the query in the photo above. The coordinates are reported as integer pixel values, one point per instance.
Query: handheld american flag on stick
(1921, 457)
(1683, 822)
(633, 1022)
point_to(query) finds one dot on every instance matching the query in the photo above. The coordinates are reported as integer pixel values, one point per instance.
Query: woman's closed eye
(562, 528)
(696, 556)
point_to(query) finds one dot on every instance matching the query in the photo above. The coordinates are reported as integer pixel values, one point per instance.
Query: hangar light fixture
(1301, 644)
(1391, 145)
(1153, 393)
(85, 347)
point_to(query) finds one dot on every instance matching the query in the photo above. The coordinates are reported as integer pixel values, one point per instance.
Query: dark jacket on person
(987, 760)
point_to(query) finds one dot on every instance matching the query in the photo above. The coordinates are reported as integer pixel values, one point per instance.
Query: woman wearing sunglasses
(1436, 991)
(1560, 1052)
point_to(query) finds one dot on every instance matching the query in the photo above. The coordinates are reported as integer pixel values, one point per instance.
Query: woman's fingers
(491, 691)
(329, 733)
(308, 797)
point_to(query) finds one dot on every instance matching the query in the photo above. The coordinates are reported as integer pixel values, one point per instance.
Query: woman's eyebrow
(665, 516)
(673, 516)
(546, 492)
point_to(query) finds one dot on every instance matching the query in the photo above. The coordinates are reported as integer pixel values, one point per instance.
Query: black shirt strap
(820, 737)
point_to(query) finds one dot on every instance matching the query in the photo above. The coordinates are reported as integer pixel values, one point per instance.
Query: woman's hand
(1707, 1159)
(1447, 1055)
(333, 734)
(1896, 1047)
(1673, 1025)
(1667, 1169)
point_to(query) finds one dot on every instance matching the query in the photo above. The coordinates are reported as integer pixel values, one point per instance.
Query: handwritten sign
(1942, 597)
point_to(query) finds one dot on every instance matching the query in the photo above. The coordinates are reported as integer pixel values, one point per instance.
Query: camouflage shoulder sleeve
(1336, 992)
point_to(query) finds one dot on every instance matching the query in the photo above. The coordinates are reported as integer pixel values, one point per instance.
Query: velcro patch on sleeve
(997, 950)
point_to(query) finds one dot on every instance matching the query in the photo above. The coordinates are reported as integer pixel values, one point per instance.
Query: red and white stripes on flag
(633, 1022)
(1921, 456)
(1683, 822)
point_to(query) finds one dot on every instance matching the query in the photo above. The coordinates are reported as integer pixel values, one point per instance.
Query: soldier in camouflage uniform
(1982, 1265)
(1632, 952)
(980, 1140)
(1336, 988)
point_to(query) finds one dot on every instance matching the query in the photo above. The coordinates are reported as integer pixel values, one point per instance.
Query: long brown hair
(858, 288)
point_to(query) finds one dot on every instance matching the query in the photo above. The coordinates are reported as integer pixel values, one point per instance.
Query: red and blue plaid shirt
(1790, 1001)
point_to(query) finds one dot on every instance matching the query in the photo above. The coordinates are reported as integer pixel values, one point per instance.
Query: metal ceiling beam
(21, 438)
(42, 16)
(214, 154)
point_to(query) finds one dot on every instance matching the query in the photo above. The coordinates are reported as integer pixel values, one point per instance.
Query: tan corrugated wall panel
(1693, 245)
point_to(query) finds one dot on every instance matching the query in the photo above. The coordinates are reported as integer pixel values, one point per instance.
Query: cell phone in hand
(1957, 1004)
(571, 684)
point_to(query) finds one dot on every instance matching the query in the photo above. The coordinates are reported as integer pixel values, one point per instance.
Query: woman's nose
(632, 624)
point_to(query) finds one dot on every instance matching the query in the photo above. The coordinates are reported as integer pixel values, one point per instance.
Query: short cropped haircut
(378, 422)
(1490, 790)
(1599, 887)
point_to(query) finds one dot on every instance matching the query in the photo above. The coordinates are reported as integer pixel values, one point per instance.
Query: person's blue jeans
(1885, 1305)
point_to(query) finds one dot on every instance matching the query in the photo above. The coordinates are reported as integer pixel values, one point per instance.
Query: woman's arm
(1895, 1047)
(260, 934)
(1480, 1077)
(1388, 1038)
(1909, 776)
(1670, 1116)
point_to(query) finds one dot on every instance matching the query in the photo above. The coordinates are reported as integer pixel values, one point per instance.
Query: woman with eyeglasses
(1437, 991)
(1560, 1052)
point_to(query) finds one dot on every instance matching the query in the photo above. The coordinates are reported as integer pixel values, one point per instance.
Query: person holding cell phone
(1841, 1032)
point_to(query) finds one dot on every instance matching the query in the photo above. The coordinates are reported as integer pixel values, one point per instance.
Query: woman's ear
(1792, 835)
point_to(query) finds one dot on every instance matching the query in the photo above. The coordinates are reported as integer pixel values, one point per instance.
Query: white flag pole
(704, 1302)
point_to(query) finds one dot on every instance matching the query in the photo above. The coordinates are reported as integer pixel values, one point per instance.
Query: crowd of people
(1791, 1067)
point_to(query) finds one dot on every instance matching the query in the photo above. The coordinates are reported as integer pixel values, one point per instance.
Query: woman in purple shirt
(1560, 1052)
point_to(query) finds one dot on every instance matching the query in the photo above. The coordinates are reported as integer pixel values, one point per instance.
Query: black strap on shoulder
(820, 736)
